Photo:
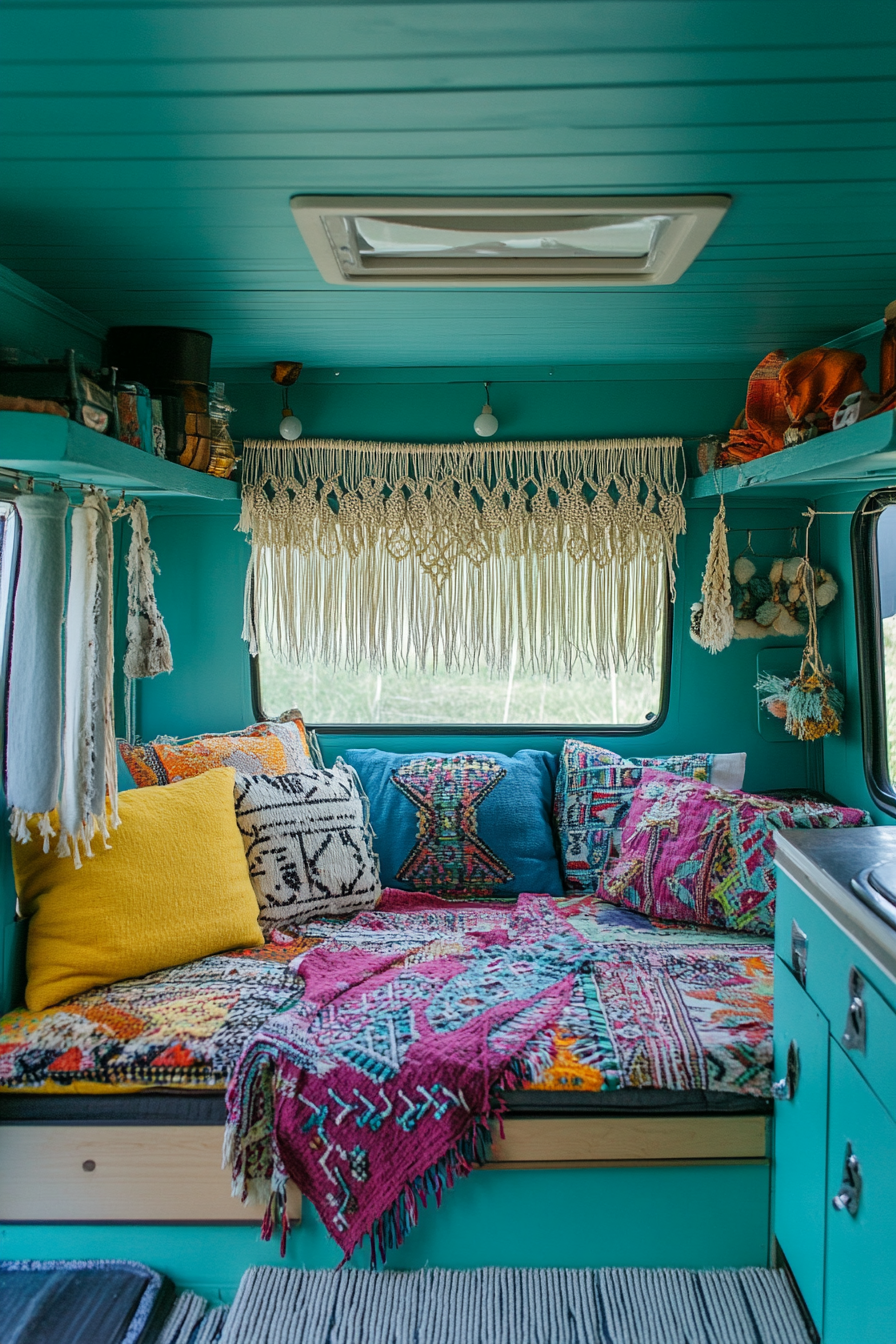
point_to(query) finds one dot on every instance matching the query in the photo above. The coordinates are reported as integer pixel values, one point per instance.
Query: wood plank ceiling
(149, 152)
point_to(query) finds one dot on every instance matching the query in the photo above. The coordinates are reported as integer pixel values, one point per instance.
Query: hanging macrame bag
(810, 704)
(712, 620)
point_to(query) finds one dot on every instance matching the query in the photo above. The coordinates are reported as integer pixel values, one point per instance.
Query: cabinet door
(860, 1302)
(802, 1033)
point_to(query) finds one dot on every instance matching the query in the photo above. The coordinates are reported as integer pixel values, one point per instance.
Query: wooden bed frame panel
(173, 1174)
(139, 1174)
(631, 1139)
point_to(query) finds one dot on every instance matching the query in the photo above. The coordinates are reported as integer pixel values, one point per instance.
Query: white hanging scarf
(149, 649)
(35, 667)
(552, 555)
(89, 770)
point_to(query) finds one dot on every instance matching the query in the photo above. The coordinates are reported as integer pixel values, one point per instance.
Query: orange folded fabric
(815, 384)
(765, 418)
(792, 393)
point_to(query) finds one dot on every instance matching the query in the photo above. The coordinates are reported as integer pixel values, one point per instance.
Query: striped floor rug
(514, 1306)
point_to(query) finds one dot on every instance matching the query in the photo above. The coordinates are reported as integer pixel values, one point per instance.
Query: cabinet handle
(850, 1191)
(853, 1037)
(799, 952)
(785, 1088)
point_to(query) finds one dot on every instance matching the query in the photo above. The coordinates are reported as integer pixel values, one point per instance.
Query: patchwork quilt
(179, 1028)
(660, 1005)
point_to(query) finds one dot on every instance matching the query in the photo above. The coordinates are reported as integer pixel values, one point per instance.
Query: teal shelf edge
(50, 447)
(863, 452)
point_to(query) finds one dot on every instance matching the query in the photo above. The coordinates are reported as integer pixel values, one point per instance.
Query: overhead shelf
(864, 452)
(52, 448)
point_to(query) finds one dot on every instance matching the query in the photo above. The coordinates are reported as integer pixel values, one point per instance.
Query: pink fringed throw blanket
(375, 1091)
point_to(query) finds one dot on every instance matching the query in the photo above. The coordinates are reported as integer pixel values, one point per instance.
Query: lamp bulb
(485, 424)
(290, 425)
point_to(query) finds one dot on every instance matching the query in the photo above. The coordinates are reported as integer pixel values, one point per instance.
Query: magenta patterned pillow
(697, 853)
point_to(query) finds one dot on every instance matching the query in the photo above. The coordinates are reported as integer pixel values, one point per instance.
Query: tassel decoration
(810, 704)
(717, 618)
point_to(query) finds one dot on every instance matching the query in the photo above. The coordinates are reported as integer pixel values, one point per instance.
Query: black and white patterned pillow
(308, 843)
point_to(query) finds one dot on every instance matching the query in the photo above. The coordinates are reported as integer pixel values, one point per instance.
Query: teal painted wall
(656, 1217)
(712, 703)
(538, 402)
(35, 325)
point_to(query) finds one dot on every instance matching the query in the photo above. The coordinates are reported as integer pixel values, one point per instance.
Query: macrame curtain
(461, 555)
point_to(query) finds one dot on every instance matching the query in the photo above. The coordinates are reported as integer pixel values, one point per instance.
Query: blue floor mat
(81, 1302)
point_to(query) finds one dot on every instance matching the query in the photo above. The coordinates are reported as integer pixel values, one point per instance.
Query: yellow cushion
(173, 887)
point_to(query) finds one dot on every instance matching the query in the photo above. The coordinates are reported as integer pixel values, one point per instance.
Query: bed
(662, 1056)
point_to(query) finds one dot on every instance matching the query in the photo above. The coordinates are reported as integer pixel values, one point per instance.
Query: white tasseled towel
(89, 768)
(35, 669)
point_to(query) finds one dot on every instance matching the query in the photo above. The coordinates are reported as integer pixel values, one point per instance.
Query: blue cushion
(476, 824)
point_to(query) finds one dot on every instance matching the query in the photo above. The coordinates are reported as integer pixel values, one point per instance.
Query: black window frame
(869, 642)
(499, 729)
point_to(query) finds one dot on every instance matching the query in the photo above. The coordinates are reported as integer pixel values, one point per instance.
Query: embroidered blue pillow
(475, 824)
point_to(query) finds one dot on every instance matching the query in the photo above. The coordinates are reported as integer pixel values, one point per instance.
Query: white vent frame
(693, 221)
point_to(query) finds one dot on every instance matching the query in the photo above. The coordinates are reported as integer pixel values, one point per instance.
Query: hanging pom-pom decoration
(744, 569)
(717, 619)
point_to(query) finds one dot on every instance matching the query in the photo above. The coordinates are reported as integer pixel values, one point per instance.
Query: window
(874, 562)
(331, 696)
(519, 241)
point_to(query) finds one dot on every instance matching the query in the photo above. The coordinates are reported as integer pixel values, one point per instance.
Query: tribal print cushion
(704, 855)
(595, 788)
(268, 748)
(308, 843)
(475, 825)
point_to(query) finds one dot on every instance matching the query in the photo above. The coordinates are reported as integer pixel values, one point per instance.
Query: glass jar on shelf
(222, 458)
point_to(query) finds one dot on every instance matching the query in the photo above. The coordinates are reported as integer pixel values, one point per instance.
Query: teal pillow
(476, 824)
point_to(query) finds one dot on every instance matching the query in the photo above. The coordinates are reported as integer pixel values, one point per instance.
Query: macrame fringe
(715, 629)
(394, 555)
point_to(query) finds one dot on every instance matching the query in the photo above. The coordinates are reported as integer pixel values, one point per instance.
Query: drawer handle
(850, 1191)
(799, 952)
(853, 1037)
(785, 1088)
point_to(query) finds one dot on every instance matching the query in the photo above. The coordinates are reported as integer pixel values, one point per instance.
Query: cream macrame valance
(554, 555)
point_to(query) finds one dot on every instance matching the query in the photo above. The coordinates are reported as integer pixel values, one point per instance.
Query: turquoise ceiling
(149, 153)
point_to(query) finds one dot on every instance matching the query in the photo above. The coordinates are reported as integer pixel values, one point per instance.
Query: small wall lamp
(285, 373)
(486, 423)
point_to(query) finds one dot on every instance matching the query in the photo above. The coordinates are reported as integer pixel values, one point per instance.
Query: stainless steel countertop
(823, 862)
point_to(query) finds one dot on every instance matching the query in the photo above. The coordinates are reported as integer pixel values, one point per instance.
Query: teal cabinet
(800, 1152)
(860, 1296)
(854, 994)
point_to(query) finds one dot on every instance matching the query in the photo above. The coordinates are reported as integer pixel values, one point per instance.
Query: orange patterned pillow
(263, 749)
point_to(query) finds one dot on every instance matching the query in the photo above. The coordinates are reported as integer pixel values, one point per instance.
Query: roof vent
(498, 240)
